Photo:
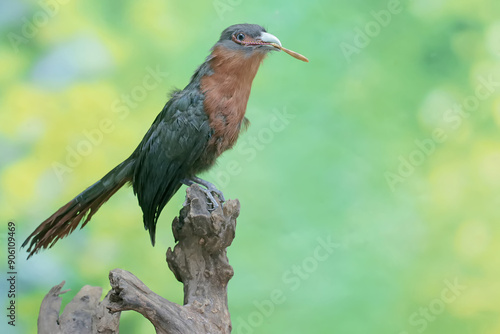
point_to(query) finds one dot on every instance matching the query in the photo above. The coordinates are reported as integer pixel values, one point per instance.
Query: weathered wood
(48, 318)
(198, 260)
(84, 314)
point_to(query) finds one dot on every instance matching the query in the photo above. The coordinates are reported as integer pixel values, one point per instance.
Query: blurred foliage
(357, 164)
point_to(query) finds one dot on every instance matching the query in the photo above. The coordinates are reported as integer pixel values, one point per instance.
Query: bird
(196, 125)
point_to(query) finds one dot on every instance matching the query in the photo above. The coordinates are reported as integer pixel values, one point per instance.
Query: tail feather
(85, 205)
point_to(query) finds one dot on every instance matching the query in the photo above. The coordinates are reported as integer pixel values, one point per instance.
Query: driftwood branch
(198, 260)
(83, 315)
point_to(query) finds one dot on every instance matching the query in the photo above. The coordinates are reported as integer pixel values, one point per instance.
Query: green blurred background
(386, 150)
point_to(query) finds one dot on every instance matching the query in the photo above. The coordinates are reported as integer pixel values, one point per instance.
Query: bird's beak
(268, 38)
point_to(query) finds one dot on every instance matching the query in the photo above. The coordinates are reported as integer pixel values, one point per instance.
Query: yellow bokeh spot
(448, 184)
(11, 64)
(489, 164)
(496, 111)
(472, 239)
(19, 180)
(23, 102)
(151, 16)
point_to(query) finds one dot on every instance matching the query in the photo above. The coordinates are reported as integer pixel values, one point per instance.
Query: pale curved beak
(269, 38)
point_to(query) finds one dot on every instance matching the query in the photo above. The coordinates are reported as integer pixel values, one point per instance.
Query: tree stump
(198, 260)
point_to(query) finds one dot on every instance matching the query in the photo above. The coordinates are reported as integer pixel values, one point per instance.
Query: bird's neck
(227, 90)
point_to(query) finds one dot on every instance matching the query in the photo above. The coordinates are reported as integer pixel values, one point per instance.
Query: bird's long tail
(85, 205)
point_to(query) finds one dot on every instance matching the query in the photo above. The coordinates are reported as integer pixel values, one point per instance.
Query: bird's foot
(209, 190)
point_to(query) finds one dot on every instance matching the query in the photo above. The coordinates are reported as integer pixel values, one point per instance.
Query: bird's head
(252, 39)
(248, 38)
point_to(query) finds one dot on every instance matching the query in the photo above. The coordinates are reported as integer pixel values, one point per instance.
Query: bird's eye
(240, 37)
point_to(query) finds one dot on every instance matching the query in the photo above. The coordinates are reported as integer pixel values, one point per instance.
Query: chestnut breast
(226, 92)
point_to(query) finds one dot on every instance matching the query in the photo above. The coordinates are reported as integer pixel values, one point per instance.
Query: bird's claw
(209, 189)
(217, 192)
(212, 201)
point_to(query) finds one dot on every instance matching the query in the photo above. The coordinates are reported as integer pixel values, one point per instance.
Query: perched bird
(194, 128)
